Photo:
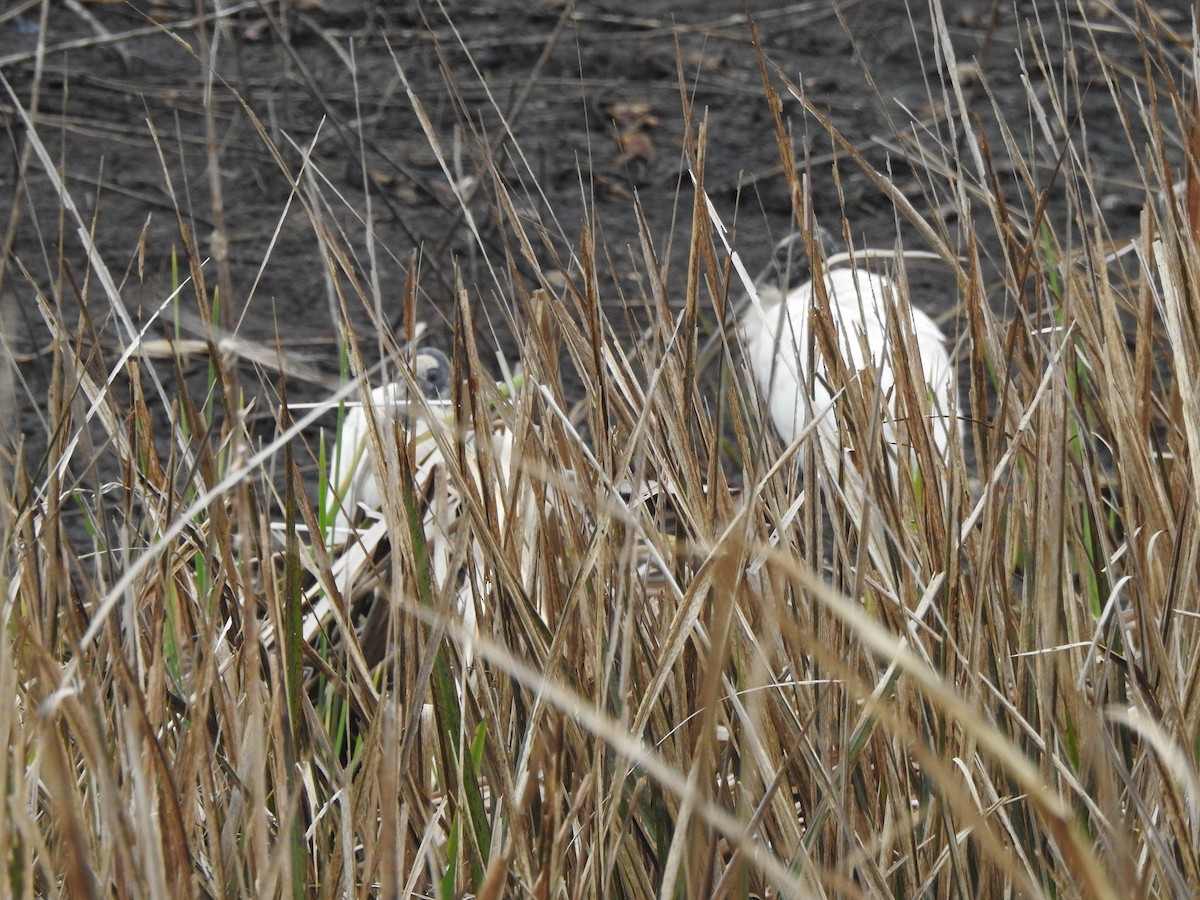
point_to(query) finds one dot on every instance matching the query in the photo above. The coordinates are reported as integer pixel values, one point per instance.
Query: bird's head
(790, 265)
(431, 372)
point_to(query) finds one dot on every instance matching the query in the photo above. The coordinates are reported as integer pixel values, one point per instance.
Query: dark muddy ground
(593, 95)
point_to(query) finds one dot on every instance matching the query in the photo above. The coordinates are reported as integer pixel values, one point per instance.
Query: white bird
(869, 320)
(352, 484)
(448, 488)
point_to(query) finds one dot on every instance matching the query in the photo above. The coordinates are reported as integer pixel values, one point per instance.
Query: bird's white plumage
(352, 477)
(778, 346)
(353, 484)
(442, 482)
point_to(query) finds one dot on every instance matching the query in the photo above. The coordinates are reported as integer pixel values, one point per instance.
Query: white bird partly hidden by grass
(353, 488)
(355, 496)
(894, 351)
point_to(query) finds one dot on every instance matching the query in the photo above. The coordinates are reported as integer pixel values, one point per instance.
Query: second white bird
(779, 345)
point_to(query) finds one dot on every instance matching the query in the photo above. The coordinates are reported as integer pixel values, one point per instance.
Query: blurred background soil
(150, 107)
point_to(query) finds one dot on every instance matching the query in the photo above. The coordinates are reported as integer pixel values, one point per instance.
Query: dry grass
(705, 692)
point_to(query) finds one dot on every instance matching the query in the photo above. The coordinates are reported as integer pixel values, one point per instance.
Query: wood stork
(877, 334)
(447, 487)
(352, 482)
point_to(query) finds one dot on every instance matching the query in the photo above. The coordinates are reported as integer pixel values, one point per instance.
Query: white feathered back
(779, 346)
